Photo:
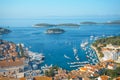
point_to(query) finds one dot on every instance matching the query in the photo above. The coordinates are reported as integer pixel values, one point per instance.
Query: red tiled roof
(22, 78)
(42, 78)
(104, 77)
(118, 78)
(11, 63)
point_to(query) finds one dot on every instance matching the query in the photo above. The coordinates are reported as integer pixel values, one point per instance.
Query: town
(18, 63)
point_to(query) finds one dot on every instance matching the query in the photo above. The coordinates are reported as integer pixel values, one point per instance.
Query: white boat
(84, 62)
(91, 37)
(35, 56)
(76, 65)
(66, 57)
(46, 66)
(75, 51)
(84, 44)
(77, 58)
(86, 52)
(87, 56)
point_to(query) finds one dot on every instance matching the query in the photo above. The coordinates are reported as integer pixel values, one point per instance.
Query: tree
(21, 50)
(101, 54)
(51, 71)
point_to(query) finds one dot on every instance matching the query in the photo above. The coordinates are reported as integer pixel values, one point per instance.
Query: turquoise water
(55, 46)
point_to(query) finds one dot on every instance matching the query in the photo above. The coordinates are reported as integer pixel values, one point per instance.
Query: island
(54, 31)
(56, 25)
(94, 23)
(88, 22)
(69, 25)
(76, 25)
(44, 25)
(113, 22)
(108, 48)
(4, 31)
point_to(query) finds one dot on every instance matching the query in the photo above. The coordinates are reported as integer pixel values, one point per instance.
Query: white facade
(111, 54)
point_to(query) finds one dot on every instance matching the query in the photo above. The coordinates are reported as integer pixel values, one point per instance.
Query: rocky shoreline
(94, 48)
(4, 31)
(107, 48)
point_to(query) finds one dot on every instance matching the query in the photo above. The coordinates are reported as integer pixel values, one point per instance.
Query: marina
(90, 55)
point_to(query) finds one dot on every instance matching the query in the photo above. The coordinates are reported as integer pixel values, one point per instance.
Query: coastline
(94, 48)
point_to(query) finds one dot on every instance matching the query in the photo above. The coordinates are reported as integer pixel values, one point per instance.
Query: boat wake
(66, 57)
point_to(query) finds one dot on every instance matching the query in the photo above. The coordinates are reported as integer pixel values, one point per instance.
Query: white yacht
(35, 56)
(46, 66)
(77, 58)
(76, 65)
(91, 37)
(75, 51)
(84, 44)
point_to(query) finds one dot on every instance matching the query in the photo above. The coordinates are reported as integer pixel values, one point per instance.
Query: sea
(55, 46)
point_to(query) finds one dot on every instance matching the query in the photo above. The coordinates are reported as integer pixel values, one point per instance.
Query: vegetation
(111, 40)
(101, 55)
(88, 22)
(110, 22)
(51, 72)
(75, 25)
(104, 41)
(52, 25)
(113, 73)
(21, 51)
(68, 24)
(44, 25)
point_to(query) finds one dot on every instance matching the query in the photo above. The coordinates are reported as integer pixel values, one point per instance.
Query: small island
(54, 31)
(56, 25)
(94, 23)
(108, 48)
(44, 25)
(88, 22)
(113, 22)
(69, 25)
(4, 31)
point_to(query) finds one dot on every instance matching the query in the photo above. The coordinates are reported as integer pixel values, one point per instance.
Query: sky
(52, 8)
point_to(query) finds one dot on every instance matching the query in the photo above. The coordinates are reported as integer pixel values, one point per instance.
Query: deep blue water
(55, 46)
